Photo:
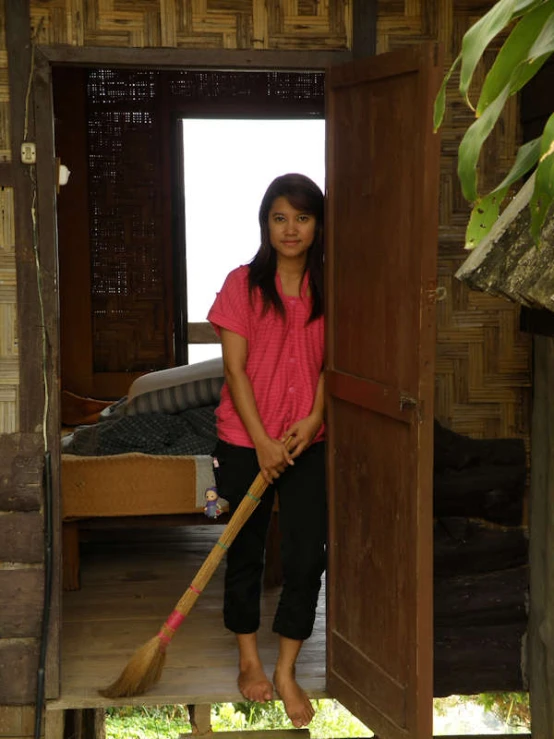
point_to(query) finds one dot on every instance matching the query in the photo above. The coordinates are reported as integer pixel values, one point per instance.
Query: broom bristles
(141, 673)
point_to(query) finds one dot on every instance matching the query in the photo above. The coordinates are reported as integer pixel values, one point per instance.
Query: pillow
(176, 389)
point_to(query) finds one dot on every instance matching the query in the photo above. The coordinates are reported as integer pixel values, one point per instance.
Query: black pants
(303, 527)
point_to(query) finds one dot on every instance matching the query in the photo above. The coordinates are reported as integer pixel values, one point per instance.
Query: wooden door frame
(45, 57)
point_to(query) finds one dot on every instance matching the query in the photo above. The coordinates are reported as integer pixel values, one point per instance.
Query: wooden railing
(202, 333)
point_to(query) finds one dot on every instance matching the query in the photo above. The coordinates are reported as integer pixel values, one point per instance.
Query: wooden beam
(48, 360)
(97, 56)
(202, 333)
(364, 28)
(18, 43)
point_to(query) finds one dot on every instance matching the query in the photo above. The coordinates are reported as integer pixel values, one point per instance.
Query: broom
(145, 667)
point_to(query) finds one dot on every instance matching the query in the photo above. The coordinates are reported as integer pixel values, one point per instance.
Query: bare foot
(254, 684)
(297, 704)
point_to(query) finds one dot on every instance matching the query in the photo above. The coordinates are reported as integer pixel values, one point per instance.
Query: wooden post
(200, 719)
(541, 549)
(54, 724)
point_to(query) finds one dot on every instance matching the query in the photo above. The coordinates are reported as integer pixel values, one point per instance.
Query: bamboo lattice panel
(483, 372)
(206, 24)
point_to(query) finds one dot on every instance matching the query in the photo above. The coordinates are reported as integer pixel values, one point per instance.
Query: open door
(382, 174)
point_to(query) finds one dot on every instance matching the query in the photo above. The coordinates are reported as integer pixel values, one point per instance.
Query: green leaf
(525, 6)
(483, 217)
(526, 158)
(513, 54)
(472, 143)
(479, 36)
(525, 72)
(545, 42)
(440, 100)
(543, 194)
(486, 210)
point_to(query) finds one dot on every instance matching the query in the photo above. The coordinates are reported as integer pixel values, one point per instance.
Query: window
(228, 164)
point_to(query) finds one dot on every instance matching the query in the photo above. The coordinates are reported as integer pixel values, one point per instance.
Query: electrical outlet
(28, 153)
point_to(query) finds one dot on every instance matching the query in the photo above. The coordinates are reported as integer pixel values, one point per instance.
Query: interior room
(166, 173)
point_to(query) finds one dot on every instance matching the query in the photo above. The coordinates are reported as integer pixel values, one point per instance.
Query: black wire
(48, 559)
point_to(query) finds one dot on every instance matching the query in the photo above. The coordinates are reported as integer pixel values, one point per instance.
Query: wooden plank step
(266, 734)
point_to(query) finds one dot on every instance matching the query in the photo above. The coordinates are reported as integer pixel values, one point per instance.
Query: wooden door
(382, 169)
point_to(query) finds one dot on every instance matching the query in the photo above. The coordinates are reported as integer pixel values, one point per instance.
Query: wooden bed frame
(127, 485)
(123, 489)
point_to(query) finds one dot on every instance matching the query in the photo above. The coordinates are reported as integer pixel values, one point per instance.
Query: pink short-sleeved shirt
(285, 357)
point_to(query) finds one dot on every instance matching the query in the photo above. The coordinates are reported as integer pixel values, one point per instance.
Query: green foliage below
(147, 722)
(331, 719)
(168, 722)
(511, 708)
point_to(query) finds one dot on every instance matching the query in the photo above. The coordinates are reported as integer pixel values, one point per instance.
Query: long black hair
(304, 195)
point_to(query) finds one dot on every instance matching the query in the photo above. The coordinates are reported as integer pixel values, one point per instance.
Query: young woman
(269, 315)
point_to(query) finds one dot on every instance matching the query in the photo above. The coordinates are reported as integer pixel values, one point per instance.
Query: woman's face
(291, 231)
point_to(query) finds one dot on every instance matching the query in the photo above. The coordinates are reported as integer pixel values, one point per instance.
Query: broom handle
(209, 566)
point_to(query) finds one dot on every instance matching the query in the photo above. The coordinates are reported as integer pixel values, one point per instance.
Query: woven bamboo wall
(228, 24)
(483, 361)
(483, 371)
(9, 363)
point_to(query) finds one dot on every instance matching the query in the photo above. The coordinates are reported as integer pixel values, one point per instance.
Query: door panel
(382, 168)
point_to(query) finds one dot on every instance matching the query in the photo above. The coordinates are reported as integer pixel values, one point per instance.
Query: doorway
(414, 73)
(146, 141)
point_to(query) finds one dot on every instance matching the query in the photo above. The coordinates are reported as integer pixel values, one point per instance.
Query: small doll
(212, 509)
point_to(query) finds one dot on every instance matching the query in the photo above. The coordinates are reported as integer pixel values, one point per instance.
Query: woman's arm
(304, 430)
(318, 408)
(272, 455)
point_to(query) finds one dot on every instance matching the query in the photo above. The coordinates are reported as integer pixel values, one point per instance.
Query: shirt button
(292, 359)
(291, 389)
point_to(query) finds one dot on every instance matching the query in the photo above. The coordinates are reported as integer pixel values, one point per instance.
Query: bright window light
(228, 165)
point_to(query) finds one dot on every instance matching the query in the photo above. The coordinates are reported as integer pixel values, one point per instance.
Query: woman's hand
(302, 433)
(273, 458)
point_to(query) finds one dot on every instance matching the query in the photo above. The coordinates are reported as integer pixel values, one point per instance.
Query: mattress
(134, 484)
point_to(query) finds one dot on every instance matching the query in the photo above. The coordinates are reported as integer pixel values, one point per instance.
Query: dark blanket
(189, 432)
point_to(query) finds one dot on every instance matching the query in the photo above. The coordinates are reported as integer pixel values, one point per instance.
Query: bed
(148, 455)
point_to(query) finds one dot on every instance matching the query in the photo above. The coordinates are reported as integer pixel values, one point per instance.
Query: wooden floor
(130, 584)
